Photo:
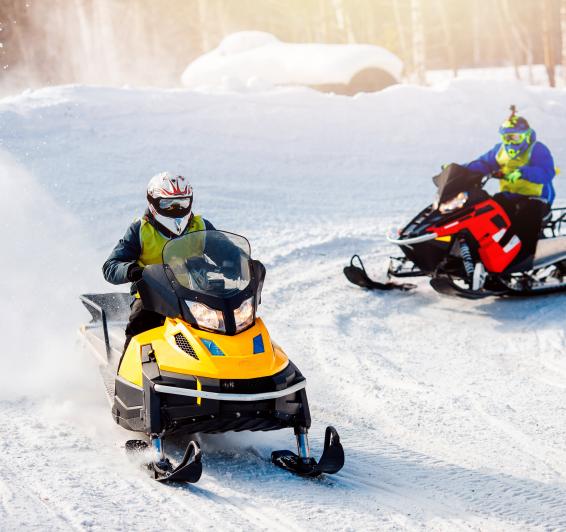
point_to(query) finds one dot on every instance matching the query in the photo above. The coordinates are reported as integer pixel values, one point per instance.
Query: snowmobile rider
(526, 168)
(169, 215)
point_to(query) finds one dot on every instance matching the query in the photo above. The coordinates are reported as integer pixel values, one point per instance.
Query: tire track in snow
(450, 490)
(144, 497)
(22, 507)
(514, 501)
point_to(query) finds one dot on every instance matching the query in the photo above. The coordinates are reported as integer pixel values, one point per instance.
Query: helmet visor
(514, 138)
(174, 203)
(174, 207)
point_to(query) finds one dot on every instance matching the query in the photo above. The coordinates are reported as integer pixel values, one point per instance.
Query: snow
(452, 413)
(243, 41)
(254, 54)
(536, 75)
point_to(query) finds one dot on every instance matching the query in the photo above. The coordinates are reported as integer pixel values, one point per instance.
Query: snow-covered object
(258, 55)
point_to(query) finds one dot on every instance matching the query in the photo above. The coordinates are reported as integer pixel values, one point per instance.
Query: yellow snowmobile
(211, 367)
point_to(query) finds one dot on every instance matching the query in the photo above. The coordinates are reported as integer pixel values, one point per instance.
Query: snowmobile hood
(182, 349)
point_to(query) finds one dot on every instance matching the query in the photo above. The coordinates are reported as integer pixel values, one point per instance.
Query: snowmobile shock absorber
(303, 449)
(157, 445)
(467, 258)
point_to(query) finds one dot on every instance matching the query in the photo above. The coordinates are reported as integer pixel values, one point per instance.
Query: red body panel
(480, 224)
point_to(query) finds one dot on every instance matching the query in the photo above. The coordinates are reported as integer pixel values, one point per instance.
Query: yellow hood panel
(238, 362)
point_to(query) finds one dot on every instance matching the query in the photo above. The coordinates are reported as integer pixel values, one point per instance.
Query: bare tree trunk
(530, 57)
(510, 50)
(343, 20)
(441, 7)
(563, 37)
(419, 61)
(476, 35)
(549, 61)
(203, 27)
(401, 33)
(521, 37)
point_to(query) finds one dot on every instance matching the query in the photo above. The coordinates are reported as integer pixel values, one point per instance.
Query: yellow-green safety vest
(508, 165)
(152, 241)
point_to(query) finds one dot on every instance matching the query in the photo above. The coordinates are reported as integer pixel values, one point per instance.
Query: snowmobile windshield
(455, 179)
(210, 262)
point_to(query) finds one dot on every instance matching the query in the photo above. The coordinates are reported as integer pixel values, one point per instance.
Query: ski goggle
(174, 204)
(514, 138)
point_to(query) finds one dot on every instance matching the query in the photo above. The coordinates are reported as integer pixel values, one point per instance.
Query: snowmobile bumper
(412, 241)
(171, 402)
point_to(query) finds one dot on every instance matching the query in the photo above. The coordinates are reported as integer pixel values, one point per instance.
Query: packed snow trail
(451, 412)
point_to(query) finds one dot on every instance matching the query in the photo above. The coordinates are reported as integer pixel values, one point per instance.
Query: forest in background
(146, 42)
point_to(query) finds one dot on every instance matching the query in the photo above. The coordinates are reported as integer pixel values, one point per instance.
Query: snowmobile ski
(331, 461)
(443, 285)
(358, 276)
(162, 470)
(189, 470)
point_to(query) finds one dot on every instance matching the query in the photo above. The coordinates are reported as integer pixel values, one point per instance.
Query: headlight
(455, 203)
(244, 314)
(206, 317)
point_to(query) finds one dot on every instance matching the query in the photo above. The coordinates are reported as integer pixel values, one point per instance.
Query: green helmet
(516, 134)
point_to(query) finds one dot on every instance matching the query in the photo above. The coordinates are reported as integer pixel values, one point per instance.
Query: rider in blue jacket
(526, 170)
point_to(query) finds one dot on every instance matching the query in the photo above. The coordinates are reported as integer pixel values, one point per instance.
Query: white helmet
(170, 199)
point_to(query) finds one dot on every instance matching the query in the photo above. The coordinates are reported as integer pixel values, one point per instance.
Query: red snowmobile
(466, 244)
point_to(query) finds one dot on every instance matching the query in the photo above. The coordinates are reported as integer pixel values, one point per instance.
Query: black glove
(134, 272)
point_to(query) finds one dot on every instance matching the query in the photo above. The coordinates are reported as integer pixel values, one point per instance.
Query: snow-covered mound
(451, 413)
(243, 57)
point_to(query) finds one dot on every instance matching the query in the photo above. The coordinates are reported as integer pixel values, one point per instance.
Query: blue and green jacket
(142, 244)
(536, 166)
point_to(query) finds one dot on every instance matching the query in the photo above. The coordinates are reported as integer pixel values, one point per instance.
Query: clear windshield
(210, 262)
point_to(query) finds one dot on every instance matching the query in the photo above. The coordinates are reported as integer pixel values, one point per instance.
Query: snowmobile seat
(549, 251)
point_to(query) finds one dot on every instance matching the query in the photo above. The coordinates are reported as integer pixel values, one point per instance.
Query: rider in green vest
(526, 169)
(169, 215)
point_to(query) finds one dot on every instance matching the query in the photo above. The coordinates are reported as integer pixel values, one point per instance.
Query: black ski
(358, 276)
(331, 461)
(188, 470)
(443, 285)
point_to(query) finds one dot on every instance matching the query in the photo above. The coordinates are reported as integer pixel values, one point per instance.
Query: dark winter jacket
(128, 252)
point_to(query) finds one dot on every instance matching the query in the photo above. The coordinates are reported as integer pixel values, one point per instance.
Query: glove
(514, 176)
(134, 272)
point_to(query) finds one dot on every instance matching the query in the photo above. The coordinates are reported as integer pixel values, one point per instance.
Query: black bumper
(172, 412)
